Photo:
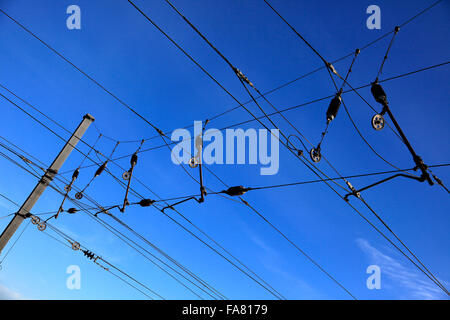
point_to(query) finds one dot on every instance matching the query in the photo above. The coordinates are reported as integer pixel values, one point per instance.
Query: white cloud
(417, 285)
(8, 294)
(272, 261)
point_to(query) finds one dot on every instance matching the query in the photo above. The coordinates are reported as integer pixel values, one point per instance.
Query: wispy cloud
(418, 286)
(8, 294)
(272, 261)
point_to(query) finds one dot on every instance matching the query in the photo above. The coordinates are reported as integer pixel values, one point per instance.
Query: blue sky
(124, 52)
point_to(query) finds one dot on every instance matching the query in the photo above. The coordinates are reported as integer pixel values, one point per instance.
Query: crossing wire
(265, 93)
(193, 59)
(162, 136)
(122, 223)
(279, 111)
(22, 158)
(110, 264)
(254, 100)
(429, 274)
(229, 63)
(213, 249)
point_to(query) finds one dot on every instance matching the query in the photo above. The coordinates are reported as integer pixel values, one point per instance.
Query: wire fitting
(236, 191)
(353, 190)
(146, 202)
(243, 77)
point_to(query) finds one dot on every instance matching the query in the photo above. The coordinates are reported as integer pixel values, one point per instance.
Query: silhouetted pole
(46, 179)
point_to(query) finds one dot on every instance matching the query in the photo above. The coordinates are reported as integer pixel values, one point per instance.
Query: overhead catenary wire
(214, 250)
(296, 183)
(64, 235)
(284, 110)
(237, 72)
(104, 260)
(201, 282)
(369, 44)
(159, 131)
(22, 158)
(14, 243)
(245, 81)
(240, 78)
(355, 209)
(228, 62)
(234, 69)
(283, 85)
(380, 70)
(84, 73)
(85, 210)
(184, 268)
(331, 69)
(77, 68)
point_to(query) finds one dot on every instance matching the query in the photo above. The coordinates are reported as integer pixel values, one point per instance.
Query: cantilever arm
(177, 203)
(357, 192)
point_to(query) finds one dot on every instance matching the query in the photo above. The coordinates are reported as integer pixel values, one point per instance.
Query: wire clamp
(243, 77)
(353, 190)
(332, 69)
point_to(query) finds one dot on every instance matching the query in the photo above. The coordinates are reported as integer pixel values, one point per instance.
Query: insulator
(126, 175)
(146, 202)
(352, 188)
(72, 210)
(75, 174)
(133, 160)
(378, 93)
(79, 195)
(90, 255)
(333, 108)
(236, 191)
(75, 245)
(378, 122)
(193, 163)
(315, 154)
(242, 76)
(35, 220)
(199, 142)
(100, 169)
(332, 69)
(42, 226)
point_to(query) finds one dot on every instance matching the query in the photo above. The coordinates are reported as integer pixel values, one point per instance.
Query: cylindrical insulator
(75, 174)
(236, 191)
(146, 202)
(100, 169)
(133, 160)
(333, 108)
(378, 93)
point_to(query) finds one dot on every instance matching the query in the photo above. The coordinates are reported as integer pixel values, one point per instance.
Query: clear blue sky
(118, 47)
